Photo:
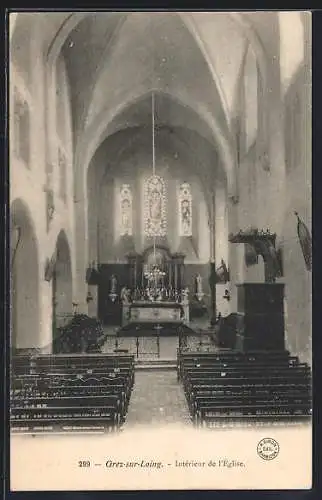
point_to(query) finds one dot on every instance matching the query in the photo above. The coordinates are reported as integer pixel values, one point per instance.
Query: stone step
(155, 361)
(156, 367)
(157, 364)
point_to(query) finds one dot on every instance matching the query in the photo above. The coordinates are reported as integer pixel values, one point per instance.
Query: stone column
(213, 259)
(176, 274)
(170, 284)
(181, 275)
(232, 251)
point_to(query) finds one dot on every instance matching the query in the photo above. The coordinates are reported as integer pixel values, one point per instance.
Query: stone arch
(80, 195)
(94, 136)
(242, 23)
(98, 131)
(177, 143)
(255, 43)
(65, 28)
(20, 46)
(73, 20)
(25, 278)
(62, 283)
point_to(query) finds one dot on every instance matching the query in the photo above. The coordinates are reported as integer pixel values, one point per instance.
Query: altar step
(155, 364)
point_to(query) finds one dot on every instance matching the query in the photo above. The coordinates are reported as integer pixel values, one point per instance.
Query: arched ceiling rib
(204, 44)
(167, 112)
(85, 50)
(113, 57)
(151, 50)
(105, 126)
(178, 148)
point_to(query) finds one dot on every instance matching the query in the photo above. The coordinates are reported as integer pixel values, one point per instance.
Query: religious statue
(113, 284)
(199, 290)
(113, 290)
(125, 296)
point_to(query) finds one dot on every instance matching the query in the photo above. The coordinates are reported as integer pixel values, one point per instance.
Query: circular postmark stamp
(268, 448)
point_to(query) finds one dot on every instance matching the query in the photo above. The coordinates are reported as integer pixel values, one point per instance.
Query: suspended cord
(153, 139)
(153, 164)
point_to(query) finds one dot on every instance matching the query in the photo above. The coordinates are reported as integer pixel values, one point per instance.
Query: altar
(156, 312)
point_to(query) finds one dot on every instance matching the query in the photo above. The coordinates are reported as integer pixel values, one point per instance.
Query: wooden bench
(60, 393)
(232, 385)
(233, 359)
(224, 404)
(73, 363)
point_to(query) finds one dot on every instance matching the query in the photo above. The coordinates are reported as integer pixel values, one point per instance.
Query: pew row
(70, 393)
(239, 387)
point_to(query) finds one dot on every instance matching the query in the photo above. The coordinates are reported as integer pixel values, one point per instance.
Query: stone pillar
(213, 260)
(212, 283)
(170, 277)
(175, 265)
(232, 252)
(182, 282)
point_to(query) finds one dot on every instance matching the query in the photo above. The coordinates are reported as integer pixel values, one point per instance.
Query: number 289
(84, 463)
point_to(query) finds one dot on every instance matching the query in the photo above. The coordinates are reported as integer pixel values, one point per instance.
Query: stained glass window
(185, 210)
(126, 210)
(155, 223)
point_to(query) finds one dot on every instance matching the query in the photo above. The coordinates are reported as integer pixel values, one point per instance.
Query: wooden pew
(295, 403)
(234, 359)
(70, 392)
(222, 386)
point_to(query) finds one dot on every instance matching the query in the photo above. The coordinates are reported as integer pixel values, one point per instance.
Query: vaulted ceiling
(192, 60)
(111, 64)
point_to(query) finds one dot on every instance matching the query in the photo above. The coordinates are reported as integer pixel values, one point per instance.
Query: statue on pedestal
(125, 296)
(113, 289)
(199, 290)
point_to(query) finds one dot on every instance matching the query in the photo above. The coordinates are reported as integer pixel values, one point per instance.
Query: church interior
(160, 219)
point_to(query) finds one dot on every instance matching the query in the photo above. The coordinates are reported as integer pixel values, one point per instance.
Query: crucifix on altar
(155, 278)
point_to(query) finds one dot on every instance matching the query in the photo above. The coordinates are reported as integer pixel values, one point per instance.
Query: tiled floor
(157, 398)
